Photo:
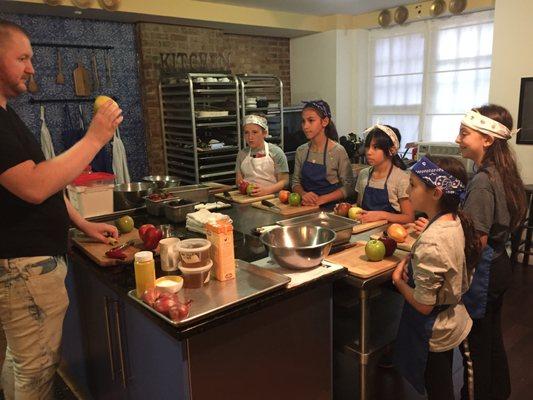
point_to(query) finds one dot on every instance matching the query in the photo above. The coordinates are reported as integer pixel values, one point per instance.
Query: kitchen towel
(196, 221)
(120, 161)
(46, 140)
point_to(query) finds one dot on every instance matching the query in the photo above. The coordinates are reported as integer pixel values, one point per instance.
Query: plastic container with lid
(194, 253)
(195, 278)
(144, 266)
(92, 193)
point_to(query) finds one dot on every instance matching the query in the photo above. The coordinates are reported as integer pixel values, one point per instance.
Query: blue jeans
(33, 302)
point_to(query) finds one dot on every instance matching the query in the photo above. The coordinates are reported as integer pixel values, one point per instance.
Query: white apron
(120, 162)
(46, 140)
(259, 170)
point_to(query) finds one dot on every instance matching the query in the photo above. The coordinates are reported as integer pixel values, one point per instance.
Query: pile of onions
(167, 304)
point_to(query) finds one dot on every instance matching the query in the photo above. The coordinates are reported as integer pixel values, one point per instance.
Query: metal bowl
(131, 195)
(163, 181)
(298, 247)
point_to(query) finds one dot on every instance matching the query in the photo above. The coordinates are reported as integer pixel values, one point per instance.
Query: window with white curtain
(425, 76)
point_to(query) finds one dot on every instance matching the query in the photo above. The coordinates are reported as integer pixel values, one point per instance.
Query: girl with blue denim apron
(311, 178)
(381, 148)
(495, 200)
(434, 321)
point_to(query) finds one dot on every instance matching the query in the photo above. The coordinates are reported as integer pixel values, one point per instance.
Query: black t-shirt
(27, 229)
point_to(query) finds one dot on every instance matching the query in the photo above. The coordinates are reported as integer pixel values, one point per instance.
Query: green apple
(124, 224)
(354, 212)
(375, 250)
(295, 199)
(249, 189)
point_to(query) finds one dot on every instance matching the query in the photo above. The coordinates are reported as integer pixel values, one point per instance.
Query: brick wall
(248, 54)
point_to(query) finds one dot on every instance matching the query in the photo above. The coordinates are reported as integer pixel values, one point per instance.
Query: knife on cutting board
(271, 205)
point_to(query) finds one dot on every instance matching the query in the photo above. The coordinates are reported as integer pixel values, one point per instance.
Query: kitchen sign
(195, 62)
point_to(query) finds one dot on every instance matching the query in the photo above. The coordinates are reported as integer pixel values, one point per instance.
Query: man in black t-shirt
(35, 216)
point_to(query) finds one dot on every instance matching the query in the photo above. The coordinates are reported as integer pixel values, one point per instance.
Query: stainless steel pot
(131, 195)
(298, 247)
(163, 181)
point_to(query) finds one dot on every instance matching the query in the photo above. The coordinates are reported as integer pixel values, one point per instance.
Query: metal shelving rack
(270, 89)
(188, 106)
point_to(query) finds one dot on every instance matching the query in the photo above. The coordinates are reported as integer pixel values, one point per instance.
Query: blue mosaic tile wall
(124, 83)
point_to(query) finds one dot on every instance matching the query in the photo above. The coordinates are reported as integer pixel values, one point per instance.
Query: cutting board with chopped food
(286, 209)
(96, 250)
(237, 197)
(368, 225)
(355, 260)
(409, 240)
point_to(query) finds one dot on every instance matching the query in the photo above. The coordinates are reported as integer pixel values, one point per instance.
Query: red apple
(283, 196)
(143, 229)
(342, 209)
(243, 186)
(152, 237)
(390, 245)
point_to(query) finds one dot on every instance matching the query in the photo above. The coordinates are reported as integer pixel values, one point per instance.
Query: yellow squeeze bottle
(144, 272)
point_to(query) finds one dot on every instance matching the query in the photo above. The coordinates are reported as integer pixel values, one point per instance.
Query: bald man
(35, 218)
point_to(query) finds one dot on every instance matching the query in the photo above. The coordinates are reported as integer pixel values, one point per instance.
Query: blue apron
(475, 299)
(377, 199)
(412, 342)
(314, 176)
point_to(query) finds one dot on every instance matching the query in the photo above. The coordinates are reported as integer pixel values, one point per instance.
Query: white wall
(512, 59)
(328, 65)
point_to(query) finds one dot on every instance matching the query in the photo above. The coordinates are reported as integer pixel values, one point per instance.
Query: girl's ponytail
(472, 242)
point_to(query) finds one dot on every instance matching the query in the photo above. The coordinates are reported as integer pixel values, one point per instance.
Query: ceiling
(318, 7)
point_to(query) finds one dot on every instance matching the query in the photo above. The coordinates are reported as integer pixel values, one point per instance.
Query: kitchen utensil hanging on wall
(437, 7)
(32, 85)
(110, 5)
(82, 84)
(457, 6)
(60, 78)
(401, 14)
(83, 3)
(384, 18)
(53, 2)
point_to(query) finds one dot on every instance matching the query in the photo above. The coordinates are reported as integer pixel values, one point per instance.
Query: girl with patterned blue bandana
(495, 200)
(382, 188)
(433, 278)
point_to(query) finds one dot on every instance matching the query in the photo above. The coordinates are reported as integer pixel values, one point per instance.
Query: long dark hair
(500, 156)
(384, 142)
(330, 130)
(450, 203)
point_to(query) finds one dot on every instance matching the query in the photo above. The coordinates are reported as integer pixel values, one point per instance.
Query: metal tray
(198, 193)
(341, 225)
(250, 281)
(176, 210)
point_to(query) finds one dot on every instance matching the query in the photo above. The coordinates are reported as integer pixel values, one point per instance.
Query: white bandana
(256, 119)
(486, 125)
(390, 133)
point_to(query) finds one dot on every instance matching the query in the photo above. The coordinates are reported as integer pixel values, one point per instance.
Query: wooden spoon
(32, 85)
(60, 78)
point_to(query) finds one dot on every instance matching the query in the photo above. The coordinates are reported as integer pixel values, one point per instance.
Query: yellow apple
(100, 101)
(353, 212)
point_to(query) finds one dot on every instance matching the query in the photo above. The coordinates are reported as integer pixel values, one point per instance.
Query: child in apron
(496, 202)
(322, 170)
(382, 188)
(433, 278)
(262, 164)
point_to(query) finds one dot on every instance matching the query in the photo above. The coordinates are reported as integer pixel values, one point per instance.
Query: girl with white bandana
(262, 164)
(496, 202)
(382, 188)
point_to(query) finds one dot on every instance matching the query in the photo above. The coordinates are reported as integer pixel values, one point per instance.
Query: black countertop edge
(219, 317)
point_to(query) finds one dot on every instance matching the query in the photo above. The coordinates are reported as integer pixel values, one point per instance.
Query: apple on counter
(342, 209)
(397, 232)
(390, 245)
(375, 250)
(243, 186)
(150, 235)
(295, 199)
(124, 224)
(283, 196)
(353, 212)
(250, 188)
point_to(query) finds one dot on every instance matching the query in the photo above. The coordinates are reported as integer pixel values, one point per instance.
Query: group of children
(454, 279)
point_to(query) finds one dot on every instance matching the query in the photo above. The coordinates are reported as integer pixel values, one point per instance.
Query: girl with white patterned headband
(433, 278)
(382, 188)
(261, 168)
(495, 199)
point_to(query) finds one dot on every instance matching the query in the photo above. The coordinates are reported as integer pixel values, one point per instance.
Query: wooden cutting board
(96, 251)
(82, 82)
(367, 226)
(237, 197)
(357, 263)
(215, 187)
(409, 241)
(287, 210)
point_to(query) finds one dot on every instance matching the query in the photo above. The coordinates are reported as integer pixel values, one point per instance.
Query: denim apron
(375, 199)
(414, 333)
(475, 299)
(314, 176)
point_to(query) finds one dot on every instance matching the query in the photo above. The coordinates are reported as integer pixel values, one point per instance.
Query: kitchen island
(277, 345)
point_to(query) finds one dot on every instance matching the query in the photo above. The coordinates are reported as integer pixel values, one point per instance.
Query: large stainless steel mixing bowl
(130, 195)
(298, 247)
(163, 181)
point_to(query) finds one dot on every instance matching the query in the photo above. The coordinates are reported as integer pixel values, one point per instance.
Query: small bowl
(173, 283)
(131, 195)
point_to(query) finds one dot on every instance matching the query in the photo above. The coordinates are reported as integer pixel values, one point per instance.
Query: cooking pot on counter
(131, 195)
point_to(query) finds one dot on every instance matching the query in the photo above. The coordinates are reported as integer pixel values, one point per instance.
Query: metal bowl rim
(161, 178)
(263, 235)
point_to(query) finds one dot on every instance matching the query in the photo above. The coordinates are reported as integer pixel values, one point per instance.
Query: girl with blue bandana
(382, 188)
(433, 278)
(322, 170)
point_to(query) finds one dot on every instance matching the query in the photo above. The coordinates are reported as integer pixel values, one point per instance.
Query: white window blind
(425, 76)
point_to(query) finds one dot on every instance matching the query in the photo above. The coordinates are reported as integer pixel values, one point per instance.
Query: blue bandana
(319, 105)
(435, 176)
